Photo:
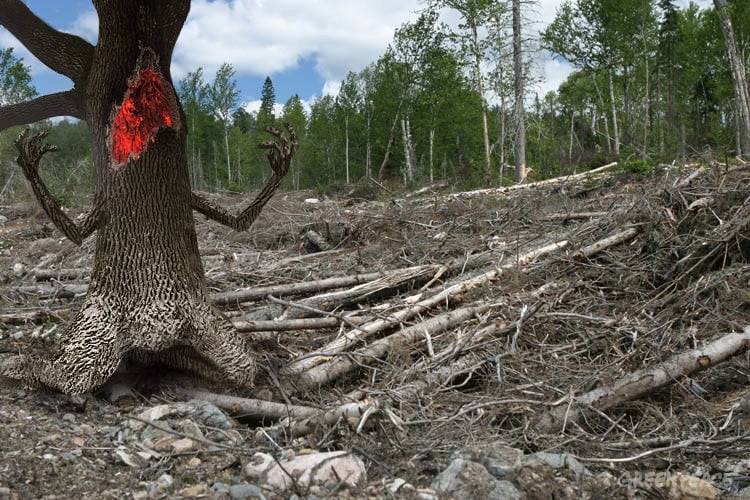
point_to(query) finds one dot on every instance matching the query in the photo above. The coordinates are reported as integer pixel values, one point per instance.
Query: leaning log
(641, 382)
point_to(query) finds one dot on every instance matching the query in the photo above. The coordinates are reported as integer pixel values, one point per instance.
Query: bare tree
(146, 299)
(741, 93)
(518, 81)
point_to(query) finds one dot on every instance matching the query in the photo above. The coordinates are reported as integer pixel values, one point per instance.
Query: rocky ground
(521, 305)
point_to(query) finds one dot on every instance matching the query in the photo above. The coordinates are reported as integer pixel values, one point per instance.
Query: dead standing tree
(146, 299)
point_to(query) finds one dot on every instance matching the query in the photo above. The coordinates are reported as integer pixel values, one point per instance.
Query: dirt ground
(536, 330)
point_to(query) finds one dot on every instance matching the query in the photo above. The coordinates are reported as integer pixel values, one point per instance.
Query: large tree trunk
(146, 299)
(741, 92)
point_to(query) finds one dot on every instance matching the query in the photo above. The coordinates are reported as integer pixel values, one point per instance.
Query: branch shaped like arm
(280, 154)
(30, 152)
(41, 108)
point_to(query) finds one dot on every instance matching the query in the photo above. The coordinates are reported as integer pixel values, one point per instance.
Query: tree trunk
(741, 92)
(146, 299)
(480, 90)
(520, 151)
(346, 146)
(432, 155)
(615, 127)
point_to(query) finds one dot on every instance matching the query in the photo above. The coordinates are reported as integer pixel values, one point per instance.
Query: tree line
(652, 82)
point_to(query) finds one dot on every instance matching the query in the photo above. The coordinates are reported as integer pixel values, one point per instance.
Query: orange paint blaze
(144, 110)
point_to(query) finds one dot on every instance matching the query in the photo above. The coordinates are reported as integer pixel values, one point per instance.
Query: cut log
(549, 182)
(419, 303)
(641, 382)
(284, 325)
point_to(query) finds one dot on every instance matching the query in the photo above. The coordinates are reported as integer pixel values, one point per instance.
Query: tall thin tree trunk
(229, 159)
(480, 91)
(432, 155)
(741, 92)
(346, 147)
(520, 150)
(615, 127)
(604, 115)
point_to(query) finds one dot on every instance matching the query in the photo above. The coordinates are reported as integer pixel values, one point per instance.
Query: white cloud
(261, 38)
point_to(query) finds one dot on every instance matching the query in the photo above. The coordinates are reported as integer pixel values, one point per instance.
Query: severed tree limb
(283, 325)
(296, 420)
(63, 53)
(391, 283)
(237, 297)
(601, 245)
(41, 108)
(30, 152)
(531, 185)
(642, 382)
(322, 374)
(280, 154)
(572, 216)
(419, 303)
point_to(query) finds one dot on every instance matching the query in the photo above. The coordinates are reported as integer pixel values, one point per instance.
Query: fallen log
(418, 303)
(285, 325)
(531, 185)
(641, 382)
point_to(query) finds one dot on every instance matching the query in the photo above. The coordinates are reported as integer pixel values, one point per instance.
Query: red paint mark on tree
(145, 109)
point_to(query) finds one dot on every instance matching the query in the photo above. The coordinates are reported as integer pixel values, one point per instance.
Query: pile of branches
(596, 305)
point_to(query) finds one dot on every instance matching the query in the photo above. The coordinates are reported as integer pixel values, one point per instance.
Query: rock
(679, 485)
(86, 430)
(399, 485)
(198, 490)
(184, 445)
(467, 479)
(162, 445)
(499, 460)
(165, 481)
(129, 459)
(151, 415)
(339, 467)
(194, 462)
(210, 415)
(556, 461)
(3, 220)
(18, 269)
(245, 490)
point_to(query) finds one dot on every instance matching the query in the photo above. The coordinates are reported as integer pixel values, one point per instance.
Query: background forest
(652, 84)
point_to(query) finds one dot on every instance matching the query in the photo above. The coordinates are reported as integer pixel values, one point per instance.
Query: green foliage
(15, 79)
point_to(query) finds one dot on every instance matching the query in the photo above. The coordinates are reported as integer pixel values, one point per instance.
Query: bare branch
(63, 53)
(280, 154)
(41, 108)
(30, 152)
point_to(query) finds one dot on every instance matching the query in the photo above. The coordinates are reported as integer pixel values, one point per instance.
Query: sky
(306, 46)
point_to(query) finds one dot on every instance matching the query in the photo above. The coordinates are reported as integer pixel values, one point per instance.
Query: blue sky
(305, 46)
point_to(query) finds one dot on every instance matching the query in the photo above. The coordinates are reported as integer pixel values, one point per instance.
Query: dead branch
(603, 244)
(641, 382)
(280, 325)
(532, 185)
(320, 375)
(572, 216)
(419, 304)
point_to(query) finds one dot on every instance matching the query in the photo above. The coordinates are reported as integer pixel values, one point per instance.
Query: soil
(560, 325)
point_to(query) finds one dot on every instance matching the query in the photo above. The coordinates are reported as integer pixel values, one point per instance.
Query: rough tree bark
(146, 299)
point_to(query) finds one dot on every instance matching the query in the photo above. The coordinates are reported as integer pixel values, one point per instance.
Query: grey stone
(557, 461)
(467, 479)
(245, 490)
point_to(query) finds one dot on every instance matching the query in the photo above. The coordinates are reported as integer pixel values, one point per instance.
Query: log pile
(599, 305)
